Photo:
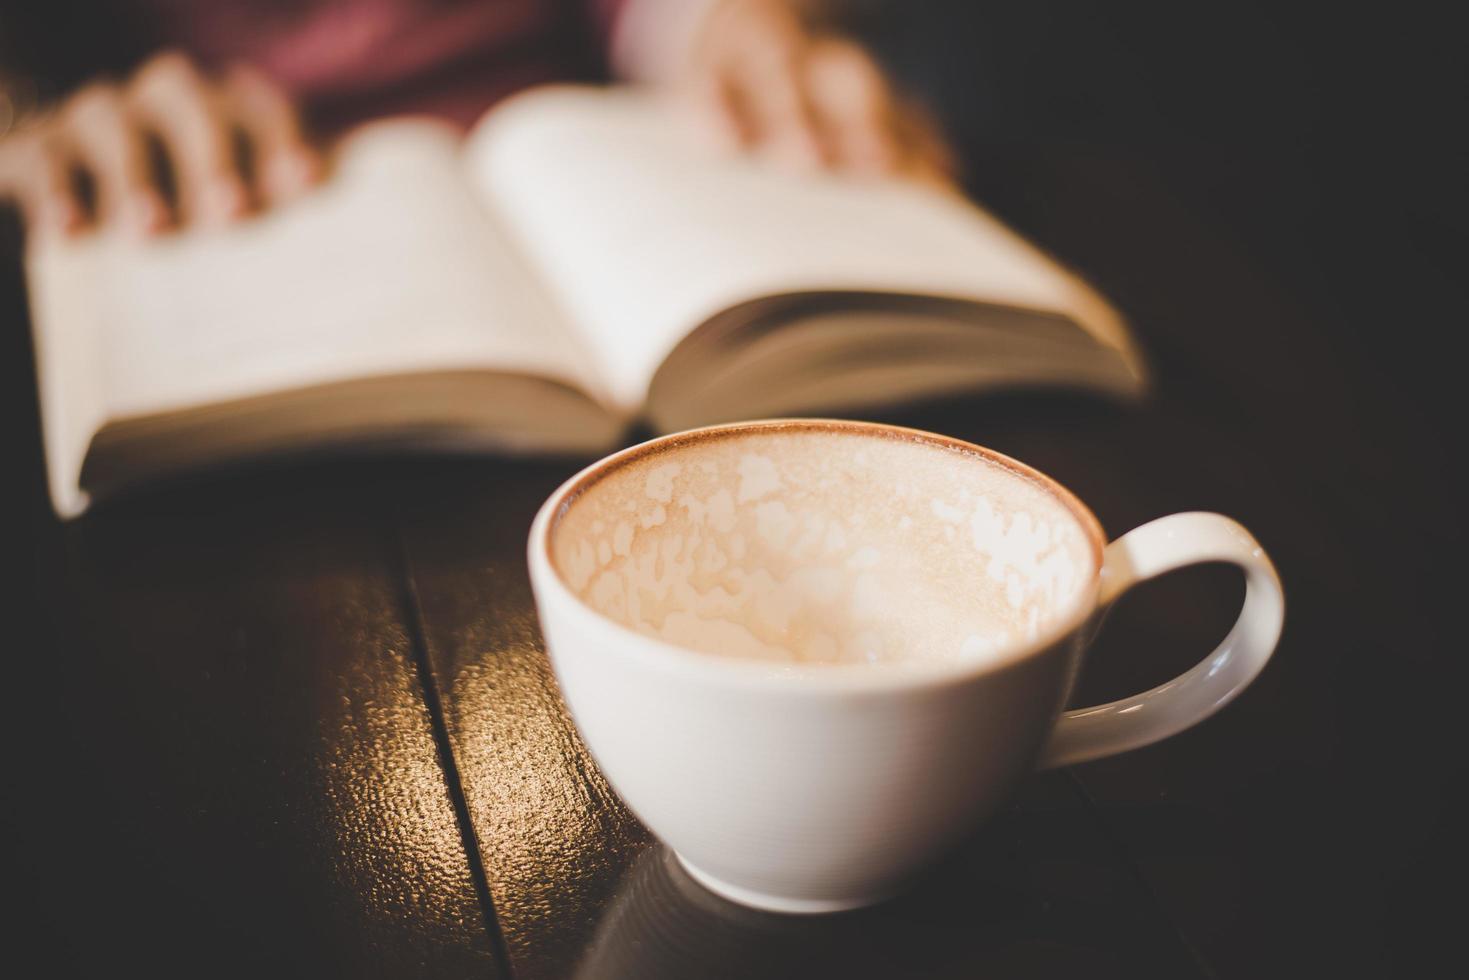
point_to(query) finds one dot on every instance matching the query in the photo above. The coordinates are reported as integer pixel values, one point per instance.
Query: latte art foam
(807, 545)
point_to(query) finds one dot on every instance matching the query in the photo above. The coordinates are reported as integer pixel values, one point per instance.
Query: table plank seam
(413, 618)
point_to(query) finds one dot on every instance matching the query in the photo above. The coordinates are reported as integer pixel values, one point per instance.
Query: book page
(392, 266)
(645, 234)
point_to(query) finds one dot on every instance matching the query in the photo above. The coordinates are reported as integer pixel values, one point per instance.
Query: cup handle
(1143, 553)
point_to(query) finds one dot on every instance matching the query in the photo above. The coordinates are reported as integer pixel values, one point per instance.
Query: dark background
(244, 725)
(1322, 145)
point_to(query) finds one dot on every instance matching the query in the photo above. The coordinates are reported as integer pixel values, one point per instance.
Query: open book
(579, 263)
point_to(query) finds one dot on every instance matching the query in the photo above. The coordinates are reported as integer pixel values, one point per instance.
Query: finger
(187, 116)
(285, 165)
(36, 173)
(779, 116)
(712, 104)
(112, 147)
(855, 108)
(928, 156)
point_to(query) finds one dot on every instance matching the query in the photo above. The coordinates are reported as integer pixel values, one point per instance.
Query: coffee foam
(810, 545)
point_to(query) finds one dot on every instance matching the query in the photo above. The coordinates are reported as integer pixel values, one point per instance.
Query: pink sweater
(347, 60)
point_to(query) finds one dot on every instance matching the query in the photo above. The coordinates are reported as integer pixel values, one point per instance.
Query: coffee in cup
(812, 654)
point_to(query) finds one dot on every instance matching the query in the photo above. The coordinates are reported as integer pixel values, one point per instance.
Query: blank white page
(644, 234)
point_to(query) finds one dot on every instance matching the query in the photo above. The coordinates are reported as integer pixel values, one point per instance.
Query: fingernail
(225, 200)
(308, 168)
(292, 173)
(64, 216)
(722, 134)
(795, 154)
(148, 214)
(874, 158)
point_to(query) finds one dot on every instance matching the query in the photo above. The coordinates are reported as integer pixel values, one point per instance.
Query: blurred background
(1324, 137)
(1306, 155)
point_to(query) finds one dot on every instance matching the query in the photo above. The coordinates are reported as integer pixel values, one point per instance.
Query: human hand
(774, 83)
(169, 146)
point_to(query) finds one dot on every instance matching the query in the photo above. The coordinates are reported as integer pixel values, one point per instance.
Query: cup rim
(545, 576)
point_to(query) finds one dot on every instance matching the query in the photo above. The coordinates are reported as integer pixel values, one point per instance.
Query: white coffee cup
(811, 655)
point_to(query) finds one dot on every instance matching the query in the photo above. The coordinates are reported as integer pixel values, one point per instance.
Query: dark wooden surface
(298, 722)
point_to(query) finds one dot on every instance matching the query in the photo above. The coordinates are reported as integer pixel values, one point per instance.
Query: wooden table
(299, 722)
